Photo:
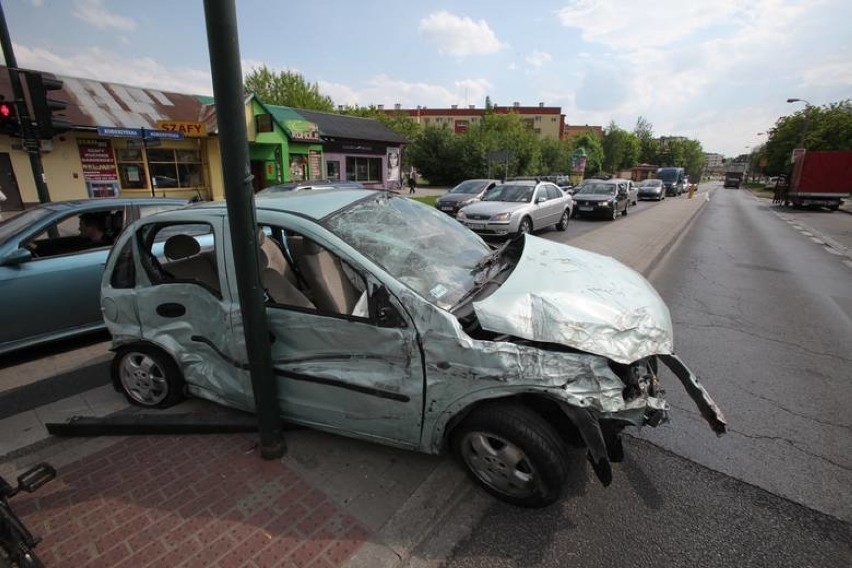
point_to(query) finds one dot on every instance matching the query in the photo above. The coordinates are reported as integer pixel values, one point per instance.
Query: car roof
(78, 204)
(314, 204)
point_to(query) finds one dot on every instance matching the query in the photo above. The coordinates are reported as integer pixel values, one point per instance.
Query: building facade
(133, 142)
(546, 122)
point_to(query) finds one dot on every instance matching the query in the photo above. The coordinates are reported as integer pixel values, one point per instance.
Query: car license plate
(476, 226)
(446, 208)
(585, 208)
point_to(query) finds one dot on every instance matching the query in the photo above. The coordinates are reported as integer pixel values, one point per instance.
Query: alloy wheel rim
(499, 464)
(143, 379)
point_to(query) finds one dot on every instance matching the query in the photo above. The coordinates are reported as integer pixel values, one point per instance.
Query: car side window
(78, 233)
(296, 271)
(124, 273)
(554, 192)
(180, 253)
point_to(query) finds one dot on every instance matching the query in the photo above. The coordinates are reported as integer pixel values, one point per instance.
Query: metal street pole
(805, 122)
(29, 141)
(223, 44)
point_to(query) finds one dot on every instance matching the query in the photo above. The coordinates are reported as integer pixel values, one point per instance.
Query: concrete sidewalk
(212, 501)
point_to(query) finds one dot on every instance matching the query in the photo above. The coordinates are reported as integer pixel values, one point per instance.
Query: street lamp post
(806, 122)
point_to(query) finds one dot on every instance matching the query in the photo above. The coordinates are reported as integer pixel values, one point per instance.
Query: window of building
(538, 119)
(131, 168)
(364, 169)
(332, 170)
(175, 168)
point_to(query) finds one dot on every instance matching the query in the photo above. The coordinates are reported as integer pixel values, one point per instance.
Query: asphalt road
(661, 510)
(763, 314)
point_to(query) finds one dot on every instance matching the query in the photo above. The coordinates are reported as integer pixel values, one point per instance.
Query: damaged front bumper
(601, 432)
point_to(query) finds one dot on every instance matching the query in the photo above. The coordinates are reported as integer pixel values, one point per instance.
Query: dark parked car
(50, 271)
(602, 199)
(465, 193)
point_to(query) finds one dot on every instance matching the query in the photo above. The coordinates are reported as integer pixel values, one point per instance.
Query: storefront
(283, 146)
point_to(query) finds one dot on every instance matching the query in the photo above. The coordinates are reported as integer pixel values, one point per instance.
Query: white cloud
(828, 73)
(614, 22)
(539, 58)
(104, 65)
(387, 91)
(459, 36)
(94, 12)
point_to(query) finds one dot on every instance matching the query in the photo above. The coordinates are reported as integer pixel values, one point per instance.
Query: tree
(286, 89)
(621, 149)
(648, 146)
(590, 142)
(824, 128)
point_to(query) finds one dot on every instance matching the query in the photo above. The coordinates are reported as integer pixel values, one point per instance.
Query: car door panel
(348, 375)
(50, 296)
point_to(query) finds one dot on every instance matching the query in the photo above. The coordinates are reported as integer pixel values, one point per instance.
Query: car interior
(294, 271)
(64, 237)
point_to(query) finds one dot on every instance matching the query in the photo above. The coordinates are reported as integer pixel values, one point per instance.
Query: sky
(717, 71)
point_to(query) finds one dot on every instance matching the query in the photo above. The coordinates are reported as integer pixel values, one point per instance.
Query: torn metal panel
(708, 408)
(561, 294)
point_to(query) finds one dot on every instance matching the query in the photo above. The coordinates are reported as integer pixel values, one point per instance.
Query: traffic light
(9, 123)
(48, 124)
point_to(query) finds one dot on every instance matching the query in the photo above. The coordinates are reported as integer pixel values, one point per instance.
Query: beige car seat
(276, 276)
(332, 290)
(186, 262)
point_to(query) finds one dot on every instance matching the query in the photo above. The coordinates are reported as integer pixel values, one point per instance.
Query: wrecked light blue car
(392, 322)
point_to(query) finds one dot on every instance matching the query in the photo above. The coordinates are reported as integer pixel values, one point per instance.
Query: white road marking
(834, 251)
(817, 241)
(848, 263)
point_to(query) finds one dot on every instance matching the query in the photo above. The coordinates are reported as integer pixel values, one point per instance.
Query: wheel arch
(123, 345)
(545, 406)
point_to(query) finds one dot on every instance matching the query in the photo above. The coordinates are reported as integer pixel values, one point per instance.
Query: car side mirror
(541, 198)
(17, 256)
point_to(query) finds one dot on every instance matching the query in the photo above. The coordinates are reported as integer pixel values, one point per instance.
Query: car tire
(513, 453)
(147, 376)
(525, 226)
(562, 225)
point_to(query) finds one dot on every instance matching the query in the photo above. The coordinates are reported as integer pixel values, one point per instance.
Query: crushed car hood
(583, 300)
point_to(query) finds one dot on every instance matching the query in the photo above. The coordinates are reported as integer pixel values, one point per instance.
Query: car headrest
(181, 246)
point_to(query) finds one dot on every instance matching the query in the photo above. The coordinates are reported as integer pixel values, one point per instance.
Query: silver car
(391, 322)
(517, 207)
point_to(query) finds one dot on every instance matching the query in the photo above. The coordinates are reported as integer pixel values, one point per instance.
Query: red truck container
(821, 179)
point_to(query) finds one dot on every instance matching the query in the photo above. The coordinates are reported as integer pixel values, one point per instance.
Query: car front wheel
(562, 225)
(525, 226)
(514, 454)
(147, 376)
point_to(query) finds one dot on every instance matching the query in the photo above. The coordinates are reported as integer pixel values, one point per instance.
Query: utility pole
(224, 46)
(29, 139)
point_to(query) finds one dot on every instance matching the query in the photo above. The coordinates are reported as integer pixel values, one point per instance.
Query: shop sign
(148, 133)
(188, 128)
(98, 164)
(302, 130)
(97, 160)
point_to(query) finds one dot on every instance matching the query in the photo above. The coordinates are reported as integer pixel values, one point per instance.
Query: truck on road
(734, 174)
(820, 179)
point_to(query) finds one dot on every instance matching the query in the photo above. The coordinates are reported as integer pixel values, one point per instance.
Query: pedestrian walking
(412, 182)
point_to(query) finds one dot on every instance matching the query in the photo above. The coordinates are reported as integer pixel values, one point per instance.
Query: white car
(517, 207)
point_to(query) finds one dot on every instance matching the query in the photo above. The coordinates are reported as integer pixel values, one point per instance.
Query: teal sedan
(50, 272)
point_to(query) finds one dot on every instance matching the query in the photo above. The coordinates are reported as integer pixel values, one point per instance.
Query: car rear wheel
(562, 225)
(514, 454)
(147, 376)
(525, 226)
